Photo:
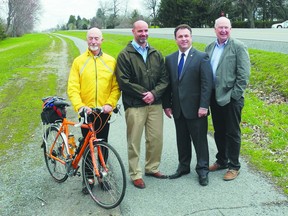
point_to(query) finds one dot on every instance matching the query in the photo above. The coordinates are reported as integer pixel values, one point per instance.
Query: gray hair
(217, 21)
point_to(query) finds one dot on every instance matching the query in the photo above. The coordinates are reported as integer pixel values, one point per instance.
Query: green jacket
(135, 77)
(233, 71)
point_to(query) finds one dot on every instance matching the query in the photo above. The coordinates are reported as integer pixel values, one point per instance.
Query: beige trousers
(151, 118)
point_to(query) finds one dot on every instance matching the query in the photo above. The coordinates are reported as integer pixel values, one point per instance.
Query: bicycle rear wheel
(108, 190)
(56, 169)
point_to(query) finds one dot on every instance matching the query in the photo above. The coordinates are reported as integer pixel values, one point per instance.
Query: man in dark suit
(231, 70)
(187, 98)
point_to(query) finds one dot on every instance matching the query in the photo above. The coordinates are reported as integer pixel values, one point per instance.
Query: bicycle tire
(109, 190)
(56, 169)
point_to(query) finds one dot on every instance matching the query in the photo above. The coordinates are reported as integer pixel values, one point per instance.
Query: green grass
(25, 78)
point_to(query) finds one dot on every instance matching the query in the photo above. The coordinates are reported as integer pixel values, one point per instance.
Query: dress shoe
(216, 166)
(91, 185)
(178, 174)
(139, 183)
(203, 180)
(231, 174)
(157, 175)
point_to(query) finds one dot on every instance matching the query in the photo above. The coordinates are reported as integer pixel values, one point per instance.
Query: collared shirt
(143, 51)
(217, 52)
(185, 57)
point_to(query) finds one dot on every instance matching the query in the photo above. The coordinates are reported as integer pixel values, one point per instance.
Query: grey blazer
(233, 71)
(194, 87)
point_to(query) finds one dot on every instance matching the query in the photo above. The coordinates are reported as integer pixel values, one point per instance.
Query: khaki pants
(150, 117)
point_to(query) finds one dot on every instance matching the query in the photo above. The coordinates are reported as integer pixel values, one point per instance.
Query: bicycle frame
(102, 168)
(89, 140)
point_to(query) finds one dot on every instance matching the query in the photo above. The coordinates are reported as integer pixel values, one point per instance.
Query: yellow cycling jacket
(92, 81)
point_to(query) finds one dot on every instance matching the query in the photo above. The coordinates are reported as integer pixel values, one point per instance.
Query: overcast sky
(58, 11)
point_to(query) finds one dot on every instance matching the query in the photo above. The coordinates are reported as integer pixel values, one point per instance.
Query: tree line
(196, 13)
(23, 15)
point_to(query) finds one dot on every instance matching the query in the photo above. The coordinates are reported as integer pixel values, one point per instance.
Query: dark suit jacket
(193, 89)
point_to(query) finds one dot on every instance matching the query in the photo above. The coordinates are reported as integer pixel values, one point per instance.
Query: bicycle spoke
(56, 168)
(109, 188)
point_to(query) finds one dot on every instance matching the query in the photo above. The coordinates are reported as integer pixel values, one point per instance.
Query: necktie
(180, 65)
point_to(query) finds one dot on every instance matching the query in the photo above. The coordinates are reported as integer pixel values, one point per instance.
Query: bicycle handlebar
(98, 110)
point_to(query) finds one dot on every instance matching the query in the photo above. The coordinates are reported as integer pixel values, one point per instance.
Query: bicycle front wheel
(54, 155)
(108, 189)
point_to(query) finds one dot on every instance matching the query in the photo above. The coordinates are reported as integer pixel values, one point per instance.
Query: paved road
(250, 194)
(275, 40)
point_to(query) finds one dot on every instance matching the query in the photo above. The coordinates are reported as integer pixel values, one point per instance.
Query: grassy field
(24, 79)
(26, 75)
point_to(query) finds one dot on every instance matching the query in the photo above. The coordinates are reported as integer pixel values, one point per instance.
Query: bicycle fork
(100, 174)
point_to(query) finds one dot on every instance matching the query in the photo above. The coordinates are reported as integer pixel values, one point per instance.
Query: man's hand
(87, 109)
(168, 112)
(107, 108)
(148, 97)
(202, 112)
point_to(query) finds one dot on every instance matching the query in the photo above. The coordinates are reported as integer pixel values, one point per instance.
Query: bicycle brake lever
(83, 114)
(116, 112)
(80, 123)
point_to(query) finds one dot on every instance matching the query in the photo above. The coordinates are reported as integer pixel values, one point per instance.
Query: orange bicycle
(102, 168)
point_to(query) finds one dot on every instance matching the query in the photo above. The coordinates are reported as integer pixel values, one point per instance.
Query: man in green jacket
(142, 78)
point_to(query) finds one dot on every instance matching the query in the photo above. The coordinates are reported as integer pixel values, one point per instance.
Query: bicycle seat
(54, 101)
(61, 103)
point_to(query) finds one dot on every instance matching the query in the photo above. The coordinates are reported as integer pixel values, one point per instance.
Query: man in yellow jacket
(92, 82)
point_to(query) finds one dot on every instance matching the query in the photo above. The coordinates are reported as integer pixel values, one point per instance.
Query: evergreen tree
(71, 23)
(175, 12)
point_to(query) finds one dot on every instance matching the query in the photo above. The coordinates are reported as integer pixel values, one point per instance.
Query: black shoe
(203, 180)
(91, 185)
(178, 174)
(85, 190)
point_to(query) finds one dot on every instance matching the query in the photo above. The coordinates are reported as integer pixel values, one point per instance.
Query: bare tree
(22, 16)
(11, 13)
(152, 5)
(249, 7)
(116, 7)
(104, 6)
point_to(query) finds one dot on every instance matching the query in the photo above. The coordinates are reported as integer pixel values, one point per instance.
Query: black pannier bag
(53, 109)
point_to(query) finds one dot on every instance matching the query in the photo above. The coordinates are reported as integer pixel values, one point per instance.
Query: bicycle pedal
(69, 168)
(76, 172)
(70, 173)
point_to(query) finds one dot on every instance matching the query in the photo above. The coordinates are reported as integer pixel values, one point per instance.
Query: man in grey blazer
(187, 98)
(231, 70)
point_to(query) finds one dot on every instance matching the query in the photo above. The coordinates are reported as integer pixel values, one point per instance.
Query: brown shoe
(157, 175)
(139, 183)
(231, 174)
(216, 166)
